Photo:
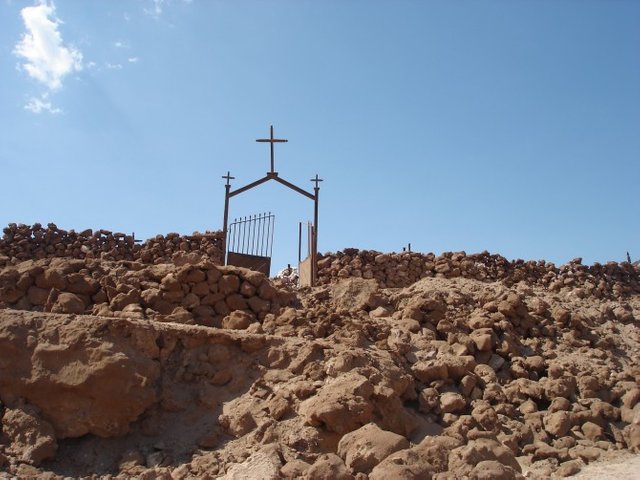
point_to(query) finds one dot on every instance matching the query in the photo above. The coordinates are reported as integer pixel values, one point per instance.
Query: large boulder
(83, 379)
(342, 404)
(367, 446)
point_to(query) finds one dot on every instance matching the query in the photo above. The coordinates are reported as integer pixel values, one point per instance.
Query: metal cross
(228, 177)
(317, 180)
(272, 140)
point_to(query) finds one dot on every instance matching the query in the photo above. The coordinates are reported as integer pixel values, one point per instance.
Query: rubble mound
(125, 369)
(34, 242)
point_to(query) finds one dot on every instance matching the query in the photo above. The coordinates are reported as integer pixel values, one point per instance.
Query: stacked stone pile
(177, 248)
(398, 270)
(495, 372)
(443, 379)
(24, 242)
(204, 293)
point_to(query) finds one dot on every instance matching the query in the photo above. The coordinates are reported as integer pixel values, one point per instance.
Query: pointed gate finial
(317, 181)
(228, 177)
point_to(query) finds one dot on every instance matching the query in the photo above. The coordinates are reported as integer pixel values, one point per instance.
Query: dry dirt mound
(445, 378)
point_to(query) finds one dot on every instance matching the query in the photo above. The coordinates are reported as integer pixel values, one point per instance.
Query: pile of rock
(24, 242)
(497, 372)
(478, 367)
(443, 379)
(177, 248)
(204, 293)
(397, 270)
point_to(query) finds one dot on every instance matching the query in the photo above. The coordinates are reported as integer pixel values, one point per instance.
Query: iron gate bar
(256, 228)
(243, 230)
(264, 227)
(252, 226)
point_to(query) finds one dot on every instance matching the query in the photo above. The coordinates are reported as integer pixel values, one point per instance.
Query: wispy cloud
(133, 60)
(46, 57)
(38, 105)
(121, 44)
(156, 8)
(113, 66)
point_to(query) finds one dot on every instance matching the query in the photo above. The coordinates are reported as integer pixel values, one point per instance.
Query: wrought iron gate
(250, 242)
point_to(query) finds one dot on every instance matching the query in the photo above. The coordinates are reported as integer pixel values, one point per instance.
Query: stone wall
(24, 242)
(396, 270)
(205, 293)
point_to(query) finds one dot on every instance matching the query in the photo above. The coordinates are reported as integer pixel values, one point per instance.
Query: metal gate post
(227, 188)
(314, 243)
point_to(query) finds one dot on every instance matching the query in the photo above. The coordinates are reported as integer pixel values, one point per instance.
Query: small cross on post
(228, 177)
(272, 140)
(317, 181)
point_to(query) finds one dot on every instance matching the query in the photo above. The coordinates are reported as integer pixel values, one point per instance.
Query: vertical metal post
(226, 220)
(314, 243)
(299, 242)
(227, 190)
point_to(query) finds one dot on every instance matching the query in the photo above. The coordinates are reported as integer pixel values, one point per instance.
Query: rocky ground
(199, 371)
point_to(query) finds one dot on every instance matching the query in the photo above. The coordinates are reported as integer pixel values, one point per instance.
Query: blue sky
(510, 126)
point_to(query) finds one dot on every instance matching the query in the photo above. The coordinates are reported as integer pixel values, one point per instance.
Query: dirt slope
(445, 378)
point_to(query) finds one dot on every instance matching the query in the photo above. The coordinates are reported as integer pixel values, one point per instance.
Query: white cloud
(121, 44)
(157, 6)
(39, 105)
(47, 59)
(133, 60)
(156, 9)
(113, 66)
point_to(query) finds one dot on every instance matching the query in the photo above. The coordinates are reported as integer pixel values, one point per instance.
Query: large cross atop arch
(272, 140)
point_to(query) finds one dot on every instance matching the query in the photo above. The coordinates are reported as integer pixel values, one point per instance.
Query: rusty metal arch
(273, 175)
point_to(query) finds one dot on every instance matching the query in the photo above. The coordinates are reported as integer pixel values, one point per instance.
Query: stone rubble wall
(23, 242)
(398, 270)
(204, 294)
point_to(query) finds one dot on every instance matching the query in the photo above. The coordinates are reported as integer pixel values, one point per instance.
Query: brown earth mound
(165, 371)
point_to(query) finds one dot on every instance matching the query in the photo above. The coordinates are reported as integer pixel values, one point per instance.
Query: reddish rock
(32, 438)
(328, 467)
(237, 320)
(228, 284)
(341, 405)
(68, 303)
(364, 448)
